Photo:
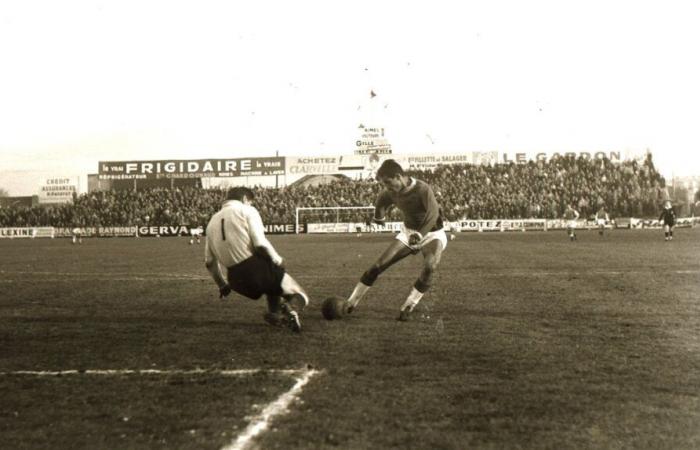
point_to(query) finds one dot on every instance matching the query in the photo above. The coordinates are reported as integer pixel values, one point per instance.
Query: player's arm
(381, 207)
(432, 211)
(257, 235)
(213, 267)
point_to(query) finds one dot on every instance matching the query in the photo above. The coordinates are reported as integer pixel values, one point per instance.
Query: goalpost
(333, 215)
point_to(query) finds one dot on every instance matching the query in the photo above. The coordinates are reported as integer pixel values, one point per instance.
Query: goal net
(333, 219)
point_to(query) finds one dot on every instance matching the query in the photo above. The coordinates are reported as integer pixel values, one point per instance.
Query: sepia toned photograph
(235, 225)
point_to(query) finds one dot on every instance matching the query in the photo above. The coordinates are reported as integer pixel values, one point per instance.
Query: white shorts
(571, 224)
(431, 236)
(601, 222)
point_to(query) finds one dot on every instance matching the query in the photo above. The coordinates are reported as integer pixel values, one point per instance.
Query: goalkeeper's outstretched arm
(213, 267)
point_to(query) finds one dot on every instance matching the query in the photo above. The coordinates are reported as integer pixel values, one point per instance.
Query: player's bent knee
(430, 265)
(370, 276)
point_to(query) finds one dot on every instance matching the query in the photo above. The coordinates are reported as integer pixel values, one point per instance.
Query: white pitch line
(117, 372)
(262, 421)
(259, 423)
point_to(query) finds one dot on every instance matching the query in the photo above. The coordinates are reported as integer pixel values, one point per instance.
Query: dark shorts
(256, 276)
(670, 223)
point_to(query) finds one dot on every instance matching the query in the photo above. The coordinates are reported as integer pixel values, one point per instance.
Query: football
(333, 308)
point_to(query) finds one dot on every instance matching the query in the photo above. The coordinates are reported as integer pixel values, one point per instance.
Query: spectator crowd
(539, 189)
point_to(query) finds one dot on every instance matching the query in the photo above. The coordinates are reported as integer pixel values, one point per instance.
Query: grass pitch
(527, 340)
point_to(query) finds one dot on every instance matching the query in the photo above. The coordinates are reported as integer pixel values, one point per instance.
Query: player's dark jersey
(418, 204)
(570, 214)
(668, 216)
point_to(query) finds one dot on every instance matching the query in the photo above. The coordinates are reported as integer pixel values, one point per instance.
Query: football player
(601, 218)
(668, 218)
(77, 234)
(236, 240)
(570, 215)
(421, 232)
(196, 234)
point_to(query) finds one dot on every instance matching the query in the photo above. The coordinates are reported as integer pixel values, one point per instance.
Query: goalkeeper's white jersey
(233, 233)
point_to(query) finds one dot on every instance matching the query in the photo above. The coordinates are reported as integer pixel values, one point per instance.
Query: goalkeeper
(236, 240)
(421, 232)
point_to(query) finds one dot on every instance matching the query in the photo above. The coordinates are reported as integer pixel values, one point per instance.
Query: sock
(298, 301)
(273, 304)
(412, 299)
(305, 298)
(357, 293)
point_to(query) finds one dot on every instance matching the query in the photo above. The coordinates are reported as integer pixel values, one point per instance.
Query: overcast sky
(83, 81)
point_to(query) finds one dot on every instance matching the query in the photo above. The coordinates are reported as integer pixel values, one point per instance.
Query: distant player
(668, 219)
(453, 228)
(77, 235)
(570, 215)
(422, 231)
(602, 218)
(196, 234)
(236, 240)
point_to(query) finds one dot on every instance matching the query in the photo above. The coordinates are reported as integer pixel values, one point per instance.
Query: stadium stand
(516, 191)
